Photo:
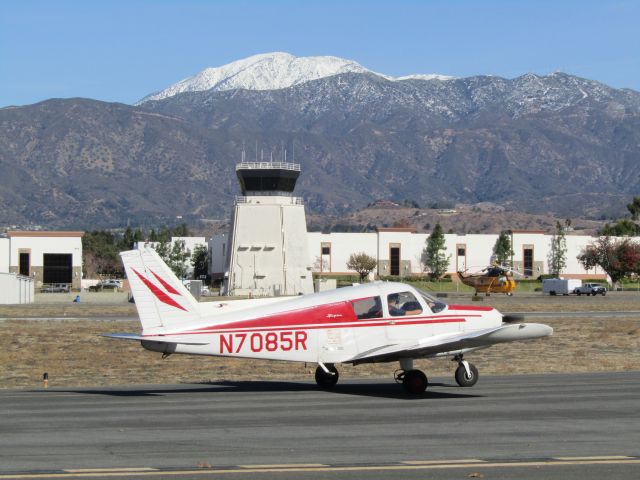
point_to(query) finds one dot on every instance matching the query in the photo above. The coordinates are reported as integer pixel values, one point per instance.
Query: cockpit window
(404, 303)
(434, 304)
(367, 308)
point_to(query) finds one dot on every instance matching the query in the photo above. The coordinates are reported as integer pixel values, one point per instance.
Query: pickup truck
(590, 289)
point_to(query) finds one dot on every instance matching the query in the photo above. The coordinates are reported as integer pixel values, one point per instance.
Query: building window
(325, 257)
(25, 264)
(461, 252)
(394, 260)
(527, 256)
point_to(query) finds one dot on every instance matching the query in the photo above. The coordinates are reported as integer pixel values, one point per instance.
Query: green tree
(502, 248)
(634, 208)
(175, 256)
(433, 256)
(100, 254)
(618, 258)
(361, 263)
(622, 228)
(200, 261)
(130, 237)
(558, 254)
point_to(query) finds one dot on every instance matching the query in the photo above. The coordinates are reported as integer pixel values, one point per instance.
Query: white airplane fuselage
(316, 328)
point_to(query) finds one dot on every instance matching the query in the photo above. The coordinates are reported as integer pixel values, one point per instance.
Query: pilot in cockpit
(394, 307)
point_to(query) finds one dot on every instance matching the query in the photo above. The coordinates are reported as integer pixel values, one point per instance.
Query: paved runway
(506, 426)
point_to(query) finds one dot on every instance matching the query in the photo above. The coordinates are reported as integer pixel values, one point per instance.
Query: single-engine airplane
(369, 323)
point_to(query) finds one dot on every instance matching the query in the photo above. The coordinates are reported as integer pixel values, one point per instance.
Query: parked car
(591, 289)
(56, 288)
(106, 285)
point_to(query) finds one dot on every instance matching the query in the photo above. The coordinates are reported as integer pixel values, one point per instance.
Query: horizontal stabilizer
(155, 338)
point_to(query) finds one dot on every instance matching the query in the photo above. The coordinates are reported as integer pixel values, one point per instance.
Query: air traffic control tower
(267, 249)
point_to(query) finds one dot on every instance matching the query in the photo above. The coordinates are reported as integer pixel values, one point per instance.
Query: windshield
(435, 304)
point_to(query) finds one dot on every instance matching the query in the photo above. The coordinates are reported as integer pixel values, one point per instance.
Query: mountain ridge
(554, 143)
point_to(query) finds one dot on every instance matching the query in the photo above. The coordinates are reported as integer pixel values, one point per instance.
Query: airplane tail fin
(162, 301)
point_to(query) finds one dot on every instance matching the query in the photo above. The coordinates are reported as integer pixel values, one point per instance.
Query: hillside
(553, 145)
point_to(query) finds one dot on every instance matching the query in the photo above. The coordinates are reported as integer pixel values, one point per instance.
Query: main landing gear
(466, 373)
(414, 381)
(327, 375)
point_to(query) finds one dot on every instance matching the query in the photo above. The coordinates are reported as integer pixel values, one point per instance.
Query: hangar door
(57, 268)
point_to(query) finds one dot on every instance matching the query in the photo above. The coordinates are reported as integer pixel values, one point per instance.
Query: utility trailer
(560, 286)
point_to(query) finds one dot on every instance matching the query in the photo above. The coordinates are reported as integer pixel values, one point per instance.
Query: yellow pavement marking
(610, 457)
(441, 462)
(286, 465)
(364, 468)
(102, 470)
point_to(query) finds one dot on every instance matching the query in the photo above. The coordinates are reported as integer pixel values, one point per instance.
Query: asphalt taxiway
(574, 426)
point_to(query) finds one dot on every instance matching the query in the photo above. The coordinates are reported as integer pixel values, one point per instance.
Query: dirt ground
(73, 354)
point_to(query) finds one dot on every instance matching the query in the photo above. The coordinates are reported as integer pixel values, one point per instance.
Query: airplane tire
(327, 380)
(415, 382)
(465, 380)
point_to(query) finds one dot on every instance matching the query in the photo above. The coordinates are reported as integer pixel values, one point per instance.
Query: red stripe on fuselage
(469, 308)
(230, 328)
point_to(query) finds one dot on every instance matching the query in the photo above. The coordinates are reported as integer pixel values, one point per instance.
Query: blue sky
(123, 50)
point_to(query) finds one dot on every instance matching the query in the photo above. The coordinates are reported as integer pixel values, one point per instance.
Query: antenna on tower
(256, 149)
(293, 146)
(243, 151)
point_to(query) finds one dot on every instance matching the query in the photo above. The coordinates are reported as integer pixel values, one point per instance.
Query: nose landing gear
(466, 374)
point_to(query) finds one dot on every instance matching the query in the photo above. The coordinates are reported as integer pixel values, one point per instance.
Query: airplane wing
(454, 342)
(155, 338)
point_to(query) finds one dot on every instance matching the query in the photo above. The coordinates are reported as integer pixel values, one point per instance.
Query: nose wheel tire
(414, 382)
(465, 379)
(327, 380)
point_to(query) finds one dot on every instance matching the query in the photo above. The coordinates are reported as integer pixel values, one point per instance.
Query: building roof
(43, 233)
(398, 229)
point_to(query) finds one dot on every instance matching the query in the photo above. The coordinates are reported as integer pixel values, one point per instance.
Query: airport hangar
(31, 259)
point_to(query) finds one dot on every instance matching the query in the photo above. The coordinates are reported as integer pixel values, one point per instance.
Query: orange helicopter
(492, 279)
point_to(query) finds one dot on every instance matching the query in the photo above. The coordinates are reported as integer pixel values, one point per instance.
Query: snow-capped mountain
(539, 143)
(271, 71)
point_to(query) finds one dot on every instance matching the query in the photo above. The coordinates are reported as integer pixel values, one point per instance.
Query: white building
(31, 259)
(46, 257)
(399, 252)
